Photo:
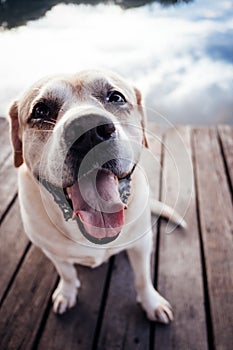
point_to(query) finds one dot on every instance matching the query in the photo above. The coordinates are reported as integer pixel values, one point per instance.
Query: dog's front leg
(156, 307)
(64, 296)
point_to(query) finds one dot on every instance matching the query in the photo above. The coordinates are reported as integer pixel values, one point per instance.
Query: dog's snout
(88, 131)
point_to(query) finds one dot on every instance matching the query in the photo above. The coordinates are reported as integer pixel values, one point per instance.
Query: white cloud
(161, 50)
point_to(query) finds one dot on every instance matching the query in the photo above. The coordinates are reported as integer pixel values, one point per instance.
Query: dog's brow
(100, 84)
(57, 90)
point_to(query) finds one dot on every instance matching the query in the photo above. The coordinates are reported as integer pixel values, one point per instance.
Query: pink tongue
(97, 202)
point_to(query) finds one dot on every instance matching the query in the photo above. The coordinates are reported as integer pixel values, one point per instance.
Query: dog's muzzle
(96, 173)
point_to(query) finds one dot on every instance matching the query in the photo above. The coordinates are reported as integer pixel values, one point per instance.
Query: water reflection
(180, 56)
(14, 13)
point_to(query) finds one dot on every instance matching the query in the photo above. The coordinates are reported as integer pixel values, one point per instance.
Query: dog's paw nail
(164, 314)
(62, 303)
(77, 284)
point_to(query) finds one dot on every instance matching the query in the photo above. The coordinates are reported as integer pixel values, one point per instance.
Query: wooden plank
(76, 328)
(5, 147)
(151, 158)
(13, 245)
(152, 164)
(180, 272)
(125, 325)
(216, 222)
(8, 174)
(8, 185)
(226, 138)
(22, 311)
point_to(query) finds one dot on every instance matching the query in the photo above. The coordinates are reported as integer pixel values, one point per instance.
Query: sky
(180, 57)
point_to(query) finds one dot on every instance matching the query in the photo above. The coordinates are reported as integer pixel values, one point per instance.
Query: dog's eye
(116, 97)
(41, 111)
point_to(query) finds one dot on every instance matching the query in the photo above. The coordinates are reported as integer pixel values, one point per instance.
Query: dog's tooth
(74, 216)
(68, 191)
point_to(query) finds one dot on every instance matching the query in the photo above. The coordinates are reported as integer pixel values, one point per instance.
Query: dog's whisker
(41, 131)
(52, 122)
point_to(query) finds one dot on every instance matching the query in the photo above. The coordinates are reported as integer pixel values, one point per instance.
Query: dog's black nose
(82, 134)
(105, 131)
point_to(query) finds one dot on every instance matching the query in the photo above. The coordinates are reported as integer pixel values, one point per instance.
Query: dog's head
(81, 136)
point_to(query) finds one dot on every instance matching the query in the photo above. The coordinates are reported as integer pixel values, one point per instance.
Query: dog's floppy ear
(143, 116)
(14, 130)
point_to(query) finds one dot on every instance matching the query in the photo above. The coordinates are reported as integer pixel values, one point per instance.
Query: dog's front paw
(64, 297)
(157, 308)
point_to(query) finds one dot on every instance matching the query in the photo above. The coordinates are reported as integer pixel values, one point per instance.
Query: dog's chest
(93, 257)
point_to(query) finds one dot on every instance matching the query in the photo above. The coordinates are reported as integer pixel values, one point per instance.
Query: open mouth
(97, 202)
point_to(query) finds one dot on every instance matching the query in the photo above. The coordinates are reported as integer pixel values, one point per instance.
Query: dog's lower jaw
(67, 201)
(95, 240)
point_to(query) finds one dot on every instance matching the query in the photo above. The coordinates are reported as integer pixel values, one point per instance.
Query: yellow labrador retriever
(83, 195)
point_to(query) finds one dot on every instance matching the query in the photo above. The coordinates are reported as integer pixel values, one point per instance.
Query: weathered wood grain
(226, 138)
(151, 158)
(125, 325)
(8, 174)
(26, 317)
(180, 273)
(152, 163)
(216, 222)
(13, 245)
(23, 309)
(5, 147)
(8, 185)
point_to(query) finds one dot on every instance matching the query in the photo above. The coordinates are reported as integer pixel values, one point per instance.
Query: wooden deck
(194, 268)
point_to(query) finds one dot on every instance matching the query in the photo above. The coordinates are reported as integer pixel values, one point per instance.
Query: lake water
(180, 57)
